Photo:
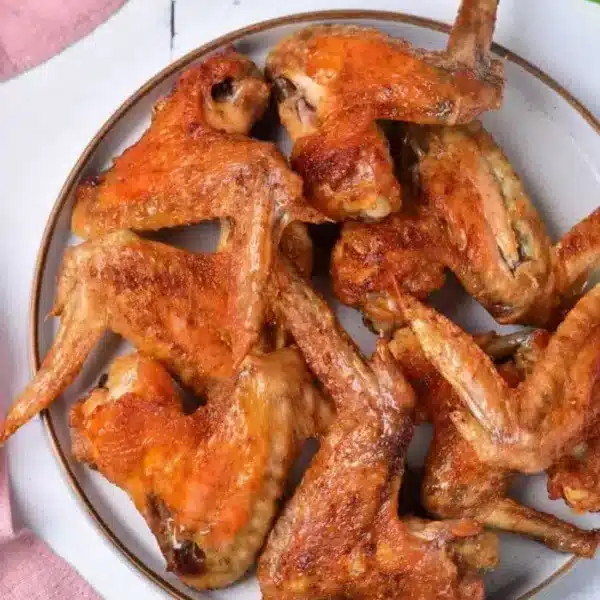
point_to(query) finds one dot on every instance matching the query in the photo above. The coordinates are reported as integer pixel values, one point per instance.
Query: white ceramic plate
(552, 141)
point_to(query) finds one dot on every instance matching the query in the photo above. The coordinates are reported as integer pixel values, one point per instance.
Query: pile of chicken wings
(387, 145)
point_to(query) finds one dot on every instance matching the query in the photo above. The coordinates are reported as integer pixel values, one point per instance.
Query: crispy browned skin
(495, 241)
(531, 426)
(335, 81)
(171, 304)
(369, 260)
(207, 483)
(475, 219)
(348, 170)
(340, 536)
(576, 477)
(459, 485)
(196, 163)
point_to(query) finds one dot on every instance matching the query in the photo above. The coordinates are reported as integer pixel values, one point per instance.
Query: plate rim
(76, 171)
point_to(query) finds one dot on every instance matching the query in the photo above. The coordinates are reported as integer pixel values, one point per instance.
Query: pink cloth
(31, 31)
(29, 570)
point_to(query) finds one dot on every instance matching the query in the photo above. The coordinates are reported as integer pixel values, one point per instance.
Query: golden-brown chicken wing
(474, 219)
(195, 163)
(340, 535)
(531, 426)
(207, 483)
(335, 81)
(576, 259)
(456, 483)
(171, 304)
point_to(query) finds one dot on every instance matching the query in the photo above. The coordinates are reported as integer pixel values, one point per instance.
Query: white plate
(552, 141)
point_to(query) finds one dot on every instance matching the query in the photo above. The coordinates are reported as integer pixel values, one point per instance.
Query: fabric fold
(32, 31)
(29, 570)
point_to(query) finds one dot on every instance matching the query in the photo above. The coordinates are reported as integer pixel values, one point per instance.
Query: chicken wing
(335, 81)
(196, 163)
(456, 483)
(474, 218)
(171, 304)
(529, 427)
(340, 535)
(207, 483)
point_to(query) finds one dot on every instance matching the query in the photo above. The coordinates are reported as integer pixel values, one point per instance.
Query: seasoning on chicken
(529, 427)
(474, 218)
(171, 304)
(456, 483)
(335, 81)
(340, 535)
(208, 483)
(196, 163)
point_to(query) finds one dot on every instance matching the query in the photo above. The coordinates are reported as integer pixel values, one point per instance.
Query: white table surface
(49, 114)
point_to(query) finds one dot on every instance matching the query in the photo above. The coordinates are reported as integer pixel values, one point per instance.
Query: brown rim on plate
(76, 172)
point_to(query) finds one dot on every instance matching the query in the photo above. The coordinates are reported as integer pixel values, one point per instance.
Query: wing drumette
(335, 81)
(475, 219)
(456, 483)
(529, 427)
(207, 483)
(340, 535)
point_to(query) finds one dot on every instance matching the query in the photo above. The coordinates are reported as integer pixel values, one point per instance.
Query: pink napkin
(29, 570)
(31, 31)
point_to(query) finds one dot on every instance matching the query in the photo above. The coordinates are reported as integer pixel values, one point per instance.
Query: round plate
(552, 141)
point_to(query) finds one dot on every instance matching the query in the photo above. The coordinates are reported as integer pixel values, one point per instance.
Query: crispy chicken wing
(531, 426)
(335, 81)
(207, 483)
(340, 535)
(475, 219)
(171, 304)
(196, 163)
(459, 485)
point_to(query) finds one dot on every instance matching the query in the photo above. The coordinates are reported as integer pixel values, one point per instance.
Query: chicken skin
(196, 163)
(529, 427)
(340, 535)
(207, 483)
(335, 81)
(456, 483)
(170, 304)
(473, 217)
